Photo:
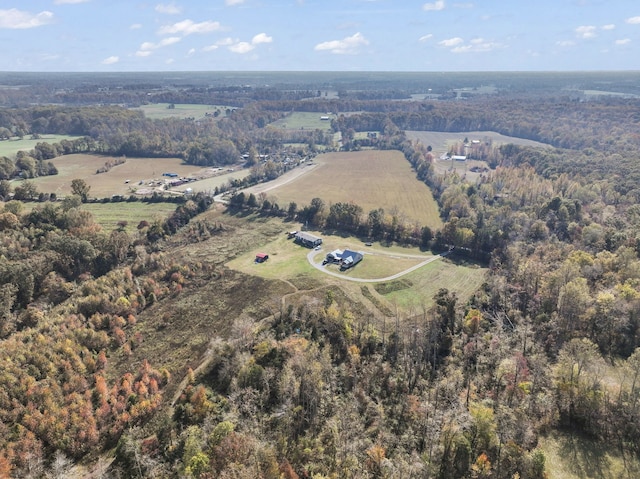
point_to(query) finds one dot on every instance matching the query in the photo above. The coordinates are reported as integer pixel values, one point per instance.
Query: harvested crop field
(371, 179)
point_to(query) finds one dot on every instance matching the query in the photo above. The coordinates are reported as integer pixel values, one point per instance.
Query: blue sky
(315, 35)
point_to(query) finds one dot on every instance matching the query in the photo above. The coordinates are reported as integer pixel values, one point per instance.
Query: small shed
(261, 257)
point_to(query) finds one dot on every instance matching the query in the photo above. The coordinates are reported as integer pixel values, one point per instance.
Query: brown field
(441, 141)
(371, 179)
(113, 181)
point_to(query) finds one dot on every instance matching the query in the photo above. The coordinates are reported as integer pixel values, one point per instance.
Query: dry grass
(301, 120)
(371, 179)
(113, 181)
(441, 141)
(162, 110)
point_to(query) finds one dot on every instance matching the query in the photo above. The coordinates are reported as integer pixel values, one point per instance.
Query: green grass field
(304, 120)
(371, 179)
(108, 215)
(288, 261)
(419, 287)
(162, 110)
(9, 148)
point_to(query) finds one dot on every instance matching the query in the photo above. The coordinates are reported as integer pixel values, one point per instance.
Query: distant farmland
(113, 181)
(10, 147)
(304, 120)
(182, 111)
(371, 179)
(440, 141)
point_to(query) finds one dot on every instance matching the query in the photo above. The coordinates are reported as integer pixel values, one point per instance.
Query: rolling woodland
(98, 375)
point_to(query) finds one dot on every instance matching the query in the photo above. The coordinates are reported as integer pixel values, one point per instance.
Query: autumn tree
(81, 188)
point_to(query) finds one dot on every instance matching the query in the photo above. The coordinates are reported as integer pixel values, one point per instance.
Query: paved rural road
(320, 266)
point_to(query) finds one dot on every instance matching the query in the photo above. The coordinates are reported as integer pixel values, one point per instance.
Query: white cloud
(135, 26)
(424, 38)
(147, 47)
(70, 2)
(17, 19)
(233, 2)
(477, 45)
(261, 38)
(565, 43)
(225, 42)
(633, 20)
(169, 8)
(187, 27)
(610, 26)
(169, 61)
(191, 52)
(210, 48)
(451, 42)
(110, 60)
(236, 46)
(348, 45)
(241, 47)
(586, 31)
(435, 6)
(623, 41)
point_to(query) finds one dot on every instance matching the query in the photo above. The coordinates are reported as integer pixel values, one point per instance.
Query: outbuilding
(308, 240)
(261, 257)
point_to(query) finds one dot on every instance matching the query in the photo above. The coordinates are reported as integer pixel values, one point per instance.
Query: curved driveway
(321, 267)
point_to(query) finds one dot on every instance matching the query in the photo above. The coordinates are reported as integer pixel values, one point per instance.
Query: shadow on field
(584, 457)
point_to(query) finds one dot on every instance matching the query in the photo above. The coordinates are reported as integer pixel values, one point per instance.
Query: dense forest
(321, 388)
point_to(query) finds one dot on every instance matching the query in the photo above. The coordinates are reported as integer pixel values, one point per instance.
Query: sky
(319, 35)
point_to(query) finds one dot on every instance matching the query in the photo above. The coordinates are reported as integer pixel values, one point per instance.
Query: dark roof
(306, 237)
(354, 255)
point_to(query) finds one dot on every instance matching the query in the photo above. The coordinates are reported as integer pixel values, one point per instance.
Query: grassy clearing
(113, 182)
(288, 261)
(574, 457)
(109, 215)
(9, 148)
(161, 110)
(441, 141)
(301, 120)
(419, 287)
(371, 179)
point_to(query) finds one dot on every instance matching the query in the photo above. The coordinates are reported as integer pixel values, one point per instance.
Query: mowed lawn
(113, 182)
(371, 179)
(420, 286)
(288, 261)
